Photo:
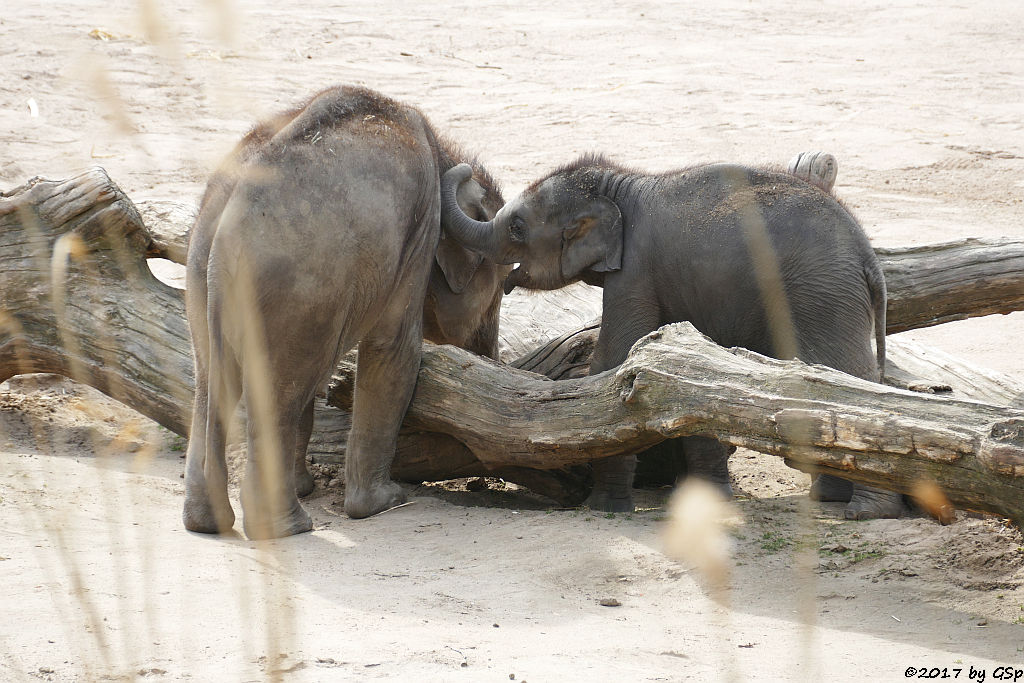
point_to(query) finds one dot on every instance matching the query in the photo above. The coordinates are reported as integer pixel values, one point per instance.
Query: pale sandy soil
(921, 103)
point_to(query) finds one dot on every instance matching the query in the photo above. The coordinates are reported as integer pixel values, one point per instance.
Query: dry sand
(919, 101)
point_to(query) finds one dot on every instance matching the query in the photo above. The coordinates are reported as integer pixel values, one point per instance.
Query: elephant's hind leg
(868, 502)
(303, 479)
(385, 378)
(207, 508)
(277, 394)
(863, 502)
(269, 499)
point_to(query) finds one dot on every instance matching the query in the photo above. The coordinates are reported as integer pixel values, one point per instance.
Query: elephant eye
(517, 229)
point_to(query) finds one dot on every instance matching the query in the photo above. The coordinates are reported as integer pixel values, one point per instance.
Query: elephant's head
(556, 231)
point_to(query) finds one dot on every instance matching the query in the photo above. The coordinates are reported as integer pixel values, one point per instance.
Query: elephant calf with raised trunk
(322, 231)
(751, 257)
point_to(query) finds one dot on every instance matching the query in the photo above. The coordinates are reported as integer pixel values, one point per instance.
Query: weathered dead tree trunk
(909, 365)
(77, 298)
(929, 370)
(676, 382)
(939, 283)
(106, 321)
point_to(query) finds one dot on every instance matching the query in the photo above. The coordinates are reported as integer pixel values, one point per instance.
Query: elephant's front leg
(620, 328)
(613, 484)
(385, 377)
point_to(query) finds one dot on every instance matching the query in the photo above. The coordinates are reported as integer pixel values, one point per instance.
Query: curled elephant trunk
(472, 234)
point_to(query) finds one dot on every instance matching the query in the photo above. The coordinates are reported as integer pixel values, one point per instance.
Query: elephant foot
(606, 501)
(708, 459)
(724, 489)
(718, 478)
(202, 516)
(872, 503)
(271, 514)
(261, 526)
(304, 483)
(361, 502)
(831, 489)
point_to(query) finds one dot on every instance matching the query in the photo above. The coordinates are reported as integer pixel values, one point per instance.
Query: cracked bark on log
(124, 332)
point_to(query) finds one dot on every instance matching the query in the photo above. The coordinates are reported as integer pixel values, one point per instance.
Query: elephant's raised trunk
(471, 233)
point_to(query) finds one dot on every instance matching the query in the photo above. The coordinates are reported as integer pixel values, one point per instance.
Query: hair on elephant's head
(558, 230)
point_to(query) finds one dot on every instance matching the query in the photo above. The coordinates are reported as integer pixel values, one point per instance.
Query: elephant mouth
(516, 278)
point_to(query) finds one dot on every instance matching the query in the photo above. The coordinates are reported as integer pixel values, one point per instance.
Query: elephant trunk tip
(460, 173)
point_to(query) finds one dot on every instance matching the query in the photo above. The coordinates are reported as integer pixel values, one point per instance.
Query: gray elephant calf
(320, 232)
(751, 257)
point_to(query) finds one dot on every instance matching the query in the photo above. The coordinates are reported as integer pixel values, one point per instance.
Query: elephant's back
(352, 170)
(772, 258)
(332, 210)
(740, 213)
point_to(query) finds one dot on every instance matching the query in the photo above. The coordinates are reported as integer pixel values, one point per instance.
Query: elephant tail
(879, 301)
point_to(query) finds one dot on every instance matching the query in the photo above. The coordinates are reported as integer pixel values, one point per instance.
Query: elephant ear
(593, 240)
(458, 263)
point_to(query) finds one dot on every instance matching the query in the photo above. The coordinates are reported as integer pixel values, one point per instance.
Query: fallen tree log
(676, 382)
(568, 357)
(939, 283)
(108, 322)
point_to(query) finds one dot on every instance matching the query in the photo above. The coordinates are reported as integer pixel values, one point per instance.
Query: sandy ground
(98, 580)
